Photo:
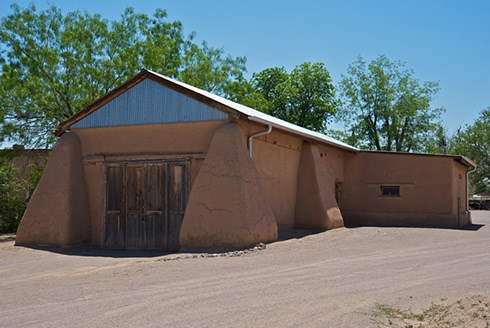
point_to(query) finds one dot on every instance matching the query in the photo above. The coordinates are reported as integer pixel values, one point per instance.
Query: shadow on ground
(469, 227)
(297, 233)
(102, 252)
(472, 227)
(124, 253)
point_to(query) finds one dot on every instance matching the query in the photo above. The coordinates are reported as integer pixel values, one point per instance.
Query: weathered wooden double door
(145, 204)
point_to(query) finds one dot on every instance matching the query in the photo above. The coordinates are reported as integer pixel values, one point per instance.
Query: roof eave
(467, 162)
(459, 158)
(64, 126)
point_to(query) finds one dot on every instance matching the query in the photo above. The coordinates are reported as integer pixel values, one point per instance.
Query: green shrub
(12, 202)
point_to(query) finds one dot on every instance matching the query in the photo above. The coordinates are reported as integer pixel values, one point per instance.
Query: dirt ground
(349, 277)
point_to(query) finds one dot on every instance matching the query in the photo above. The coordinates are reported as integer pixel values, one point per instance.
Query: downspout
(255, 135)
(468, 193)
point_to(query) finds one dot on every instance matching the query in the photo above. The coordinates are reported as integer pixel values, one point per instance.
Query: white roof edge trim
(306, 133)
(469, 162)
(260, 117)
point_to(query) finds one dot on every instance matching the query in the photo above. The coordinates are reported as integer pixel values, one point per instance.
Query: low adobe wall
(430, 190)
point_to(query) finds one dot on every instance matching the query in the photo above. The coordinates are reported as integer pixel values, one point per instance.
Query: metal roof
(260, 117)
(209, 98)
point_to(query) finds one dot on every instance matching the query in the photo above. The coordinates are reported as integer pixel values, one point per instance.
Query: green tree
(269, 84)
(55, 64)
(386, 108)
(439, 142)
(305, 97)
(473, 141)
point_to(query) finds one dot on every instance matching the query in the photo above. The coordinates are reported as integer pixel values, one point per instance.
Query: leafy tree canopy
(55, 64)
(305, 96)
(386, 108)
(473, 141)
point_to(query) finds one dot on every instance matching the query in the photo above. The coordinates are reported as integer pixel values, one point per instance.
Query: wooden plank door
(145, 204)
(115, 232)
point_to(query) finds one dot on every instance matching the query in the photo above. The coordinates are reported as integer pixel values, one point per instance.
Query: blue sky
(444, 41)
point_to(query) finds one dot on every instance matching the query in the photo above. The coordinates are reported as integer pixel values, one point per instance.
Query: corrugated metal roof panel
(149, 102)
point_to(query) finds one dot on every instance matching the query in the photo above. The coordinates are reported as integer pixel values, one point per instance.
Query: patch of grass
(436, 310)
(390, 312)
(387, 316)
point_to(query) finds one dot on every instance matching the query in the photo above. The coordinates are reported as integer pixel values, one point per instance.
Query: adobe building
(159, 164)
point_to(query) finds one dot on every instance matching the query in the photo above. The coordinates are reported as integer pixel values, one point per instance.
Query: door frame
(119, 161)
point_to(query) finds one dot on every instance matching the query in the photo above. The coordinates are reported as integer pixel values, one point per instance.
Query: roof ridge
(251, 113)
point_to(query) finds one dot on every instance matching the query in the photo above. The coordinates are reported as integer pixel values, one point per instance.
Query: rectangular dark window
(390, 191)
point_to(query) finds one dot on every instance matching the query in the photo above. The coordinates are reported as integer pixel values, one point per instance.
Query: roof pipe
(255, 135)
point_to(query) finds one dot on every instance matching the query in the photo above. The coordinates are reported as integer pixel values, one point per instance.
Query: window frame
(395, 193)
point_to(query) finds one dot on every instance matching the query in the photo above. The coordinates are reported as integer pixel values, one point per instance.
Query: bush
(12, 202)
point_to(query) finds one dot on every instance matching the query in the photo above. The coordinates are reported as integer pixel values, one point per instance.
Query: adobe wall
(57, 212)
(427, 190)
(226, 206)
(333, 159)
(134, 140)
(316, 206)
(276, 157)
(158, 138)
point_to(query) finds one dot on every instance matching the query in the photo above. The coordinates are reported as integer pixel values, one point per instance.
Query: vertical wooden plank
(155, 207)
(114, 191)
(135, 195)
(115, 225)
(177, 200)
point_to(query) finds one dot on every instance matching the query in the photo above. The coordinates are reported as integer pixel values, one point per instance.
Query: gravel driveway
(330, 279)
